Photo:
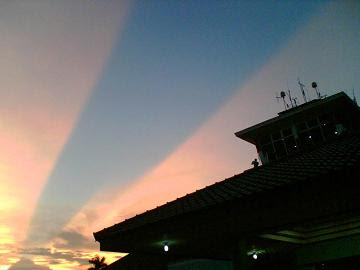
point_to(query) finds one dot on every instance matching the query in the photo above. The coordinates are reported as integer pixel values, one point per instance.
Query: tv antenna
(282, 95)
(292, 100)
(302, 88)
(315, 86)
(295, 101)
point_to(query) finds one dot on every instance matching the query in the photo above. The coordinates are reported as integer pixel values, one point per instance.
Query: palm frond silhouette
(98, 263)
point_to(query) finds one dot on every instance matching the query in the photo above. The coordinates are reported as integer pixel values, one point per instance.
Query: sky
(110, 108)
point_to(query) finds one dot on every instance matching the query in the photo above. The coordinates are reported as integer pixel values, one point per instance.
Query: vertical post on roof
(240, 258)
(302, 87)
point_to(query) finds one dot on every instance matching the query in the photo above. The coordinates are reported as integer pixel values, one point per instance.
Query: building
(299, 210)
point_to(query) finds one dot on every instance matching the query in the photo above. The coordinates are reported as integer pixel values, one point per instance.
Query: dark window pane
(312, 122)
(325, 118)
(290, 144)
(268, 151)
(329, 131)
(287, 132)
(276, 136)
(265, 140)
(301, 126)
(280, 148)
(316, 136)
(305, 140)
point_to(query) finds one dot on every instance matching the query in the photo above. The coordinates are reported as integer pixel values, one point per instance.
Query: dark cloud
(26, 264)
(55, 257)
(35, 251)
(73, 239)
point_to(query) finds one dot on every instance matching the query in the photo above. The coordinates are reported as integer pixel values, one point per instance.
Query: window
(265, 140)
(280, 148)
(290, 144)
(316, 136)
(301, 126)
(312, 122)
(268, 151)
(287, 132)
(329, 131)
(305, 140)
(276, 136)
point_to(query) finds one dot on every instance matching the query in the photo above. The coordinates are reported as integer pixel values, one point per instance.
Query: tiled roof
(336, 156)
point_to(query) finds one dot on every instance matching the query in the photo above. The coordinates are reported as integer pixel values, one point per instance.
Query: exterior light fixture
(166, 247)
(255, 253)
(309, 136)
(336, 133)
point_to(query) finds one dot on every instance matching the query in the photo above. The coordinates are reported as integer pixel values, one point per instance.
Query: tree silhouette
(99, 263)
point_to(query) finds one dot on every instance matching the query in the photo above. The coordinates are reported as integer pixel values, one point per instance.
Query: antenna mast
(292, 100)
(283, 95)
(302, 86)
(314, 85)
(289, 95)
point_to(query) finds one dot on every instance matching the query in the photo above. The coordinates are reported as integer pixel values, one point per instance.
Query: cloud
(35, 251)
(73, 239)
(26, 264)
(55, 256)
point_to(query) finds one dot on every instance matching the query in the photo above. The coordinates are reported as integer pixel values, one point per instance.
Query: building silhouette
(299, 209)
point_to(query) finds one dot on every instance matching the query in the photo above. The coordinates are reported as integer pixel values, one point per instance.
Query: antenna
(302, 86)
(354, 98)
(289, 94)
(292, 100)
(314, 85)
(295, 101)
(282, 95)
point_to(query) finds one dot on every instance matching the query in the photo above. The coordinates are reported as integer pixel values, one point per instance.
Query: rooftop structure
(303, 127)
(299, 210)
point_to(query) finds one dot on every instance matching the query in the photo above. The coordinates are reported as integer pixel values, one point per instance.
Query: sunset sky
(109, 108)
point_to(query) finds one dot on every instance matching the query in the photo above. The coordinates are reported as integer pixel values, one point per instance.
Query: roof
(336, 156)
(287, 115)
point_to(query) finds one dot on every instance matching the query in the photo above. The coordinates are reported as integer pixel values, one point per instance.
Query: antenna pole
(282, 95)
(290, 98)
(284, 103)
(314, 85)
(289, 94)
(295, 102)
(302, 90)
